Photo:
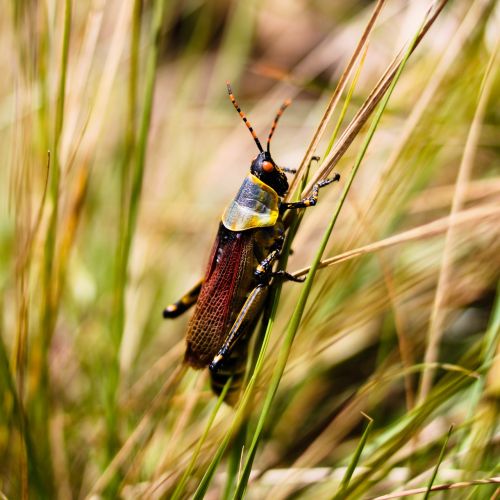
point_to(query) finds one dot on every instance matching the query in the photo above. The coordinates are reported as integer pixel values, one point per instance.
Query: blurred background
(117, 221)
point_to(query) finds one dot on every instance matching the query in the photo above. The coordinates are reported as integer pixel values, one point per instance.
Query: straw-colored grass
(376, 378)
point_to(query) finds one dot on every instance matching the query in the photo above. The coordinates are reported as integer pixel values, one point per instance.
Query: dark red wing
(229, 275)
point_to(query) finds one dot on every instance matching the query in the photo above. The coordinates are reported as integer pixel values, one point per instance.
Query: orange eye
(267, 166)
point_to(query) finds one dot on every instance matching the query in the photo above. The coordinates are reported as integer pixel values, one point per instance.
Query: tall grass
(121, 151)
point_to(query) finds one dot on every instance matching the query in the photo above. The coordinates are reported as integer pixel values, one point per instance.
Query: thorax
(256, 205)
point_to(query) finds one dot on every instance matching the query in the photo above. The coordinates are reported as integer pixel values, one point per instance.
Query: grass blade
(50, 282)
(336, 97)
(355, 459)
(377, 94)
(347, 100)
(440, 459)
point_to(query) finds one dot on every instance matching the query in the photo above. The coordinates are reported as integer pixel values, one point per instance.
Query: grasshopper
(230, 298)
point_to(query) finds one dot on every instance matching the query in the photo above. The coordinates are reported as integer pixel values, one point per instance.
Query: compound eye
(267, 166)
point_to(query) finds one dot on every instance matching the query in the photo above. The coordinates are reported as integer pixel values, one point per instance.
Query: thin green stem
(354, 461)
(440, 459)
(343, 111)
(50, 248)
(129, 147)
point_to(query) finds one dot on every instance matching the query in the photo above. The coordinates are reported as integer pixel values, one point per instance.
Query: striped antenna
(275, 122)
(247, 123)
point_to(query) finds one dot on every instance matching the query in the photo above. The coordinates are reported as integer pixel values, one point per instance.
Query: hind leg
(184, 303)
(247, 315)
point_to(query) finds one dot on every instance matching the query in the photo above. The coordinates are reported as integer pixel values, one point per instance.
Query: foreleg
(310, 201)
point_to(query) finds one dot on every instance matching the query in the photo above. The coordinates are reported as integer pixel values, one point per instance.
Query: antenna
(247, 123)
(275, 122)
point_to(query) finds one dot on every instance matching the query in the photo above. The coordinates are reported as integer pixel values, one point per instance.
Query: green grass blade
(234, 461)
(8, 389)
(299, 309)
(354, 461)
(129, 146)
(482, 409)
(386, 445)
(54, 179)
(489, 347)
(207, 477)
(491, 339)
(440, 459)
(343, 111)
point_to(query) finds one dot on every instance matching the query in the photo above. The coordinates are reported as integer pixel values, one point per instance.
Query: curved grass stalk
(429, 230)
